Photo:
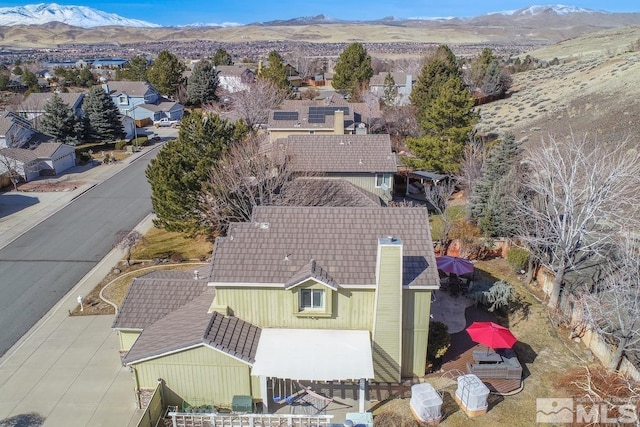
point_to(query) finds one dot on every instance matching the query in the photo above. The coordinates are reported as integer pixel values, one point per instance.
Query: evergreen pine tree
(276, 70)
(165, 74)
(202, 84)
(390, 90)
(102, 118)
(436, 71)
(447, 124)
(135, 69)
(60, 122)
(490, 203)
(180, 171)
(222, 57)
(353, 69)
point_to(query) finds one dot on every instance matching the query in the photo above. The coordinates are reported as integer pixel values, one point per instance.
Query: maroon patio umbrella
(451, 264)
(491, 334)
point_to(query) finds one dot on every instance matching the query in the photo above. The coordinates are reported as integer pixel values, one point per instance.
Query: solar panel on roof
(318, 114)
(316, 118)
(285, 115)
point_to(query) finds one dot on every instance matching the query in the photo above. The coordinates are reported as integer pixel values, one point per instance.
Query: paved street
(42, 265)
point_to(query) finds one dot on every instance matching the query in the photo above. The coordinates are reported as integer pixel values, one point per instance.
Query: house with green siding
(298, 293)
(366, 161)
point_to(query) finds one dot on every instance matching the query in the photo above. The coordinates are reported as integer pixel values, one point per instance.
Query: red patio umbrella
(451, 264)
(491, 334)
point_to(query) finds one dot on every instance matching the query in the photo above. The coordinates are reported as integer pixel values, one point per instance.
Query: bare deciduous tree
(575, 194)
(253, 104)
(250, 175)
(126, 240)
(474, 154)
(438, 195)
(613, 308)
(244, 178)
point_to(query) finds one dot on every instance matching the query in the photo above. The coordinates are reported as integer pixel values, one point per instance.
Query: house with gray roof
(46, 159)
(331, 116)
(142, 102)
(235, 78)
(297, 293)
(15, 131)
(34, 105)
(403, 83)
(367, 161)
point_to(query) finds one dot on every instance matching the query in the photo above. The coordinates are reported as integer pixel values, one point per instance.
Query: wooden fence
(154, 410)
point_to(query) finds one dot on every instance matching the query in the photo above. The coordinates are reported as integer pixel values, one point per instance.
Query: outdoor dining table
(484, 356)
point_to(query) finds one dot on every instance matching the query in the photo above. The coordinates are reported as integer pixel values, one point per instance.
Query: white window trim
(312, 308)
(386, 179)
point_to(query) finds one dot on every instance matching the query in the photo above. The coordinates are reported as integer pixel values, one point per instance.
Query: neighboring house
(235, 78)
(331, 116)
(47, 159)
(298, 293)
(129, 126)
(366, 161)
(16, 132)
(403, 83)
(33, 106)
(142, 102)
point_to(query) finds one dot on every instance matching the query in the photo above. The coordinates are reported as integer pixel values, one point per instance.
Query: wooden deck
(458, 366)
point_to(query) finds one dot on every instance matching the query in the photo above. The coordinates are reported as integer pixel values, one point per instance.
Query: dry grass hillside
(595, 91)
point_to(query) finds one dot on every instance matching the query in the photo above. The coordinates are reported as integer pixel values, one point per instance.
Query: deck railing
(183, 419)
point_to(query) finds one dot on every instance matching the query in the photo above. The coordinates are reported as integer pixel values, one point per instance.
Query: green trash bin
(242, 404)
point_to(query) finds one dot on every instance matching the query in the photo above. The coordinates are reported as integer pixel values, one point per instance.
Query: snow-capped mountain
(78, 16)
(557, 9)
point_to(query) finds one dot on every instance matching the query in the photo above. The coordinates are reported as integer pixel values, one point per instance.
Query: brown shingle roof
(153, 296)
(320, 191)
(192, 325)
(339, 153)
(280, 241)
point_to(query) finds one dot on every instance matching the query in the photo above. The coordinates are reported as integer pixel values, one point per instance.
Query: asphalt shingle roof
(279, 241)
(338, 153)
(129, 88)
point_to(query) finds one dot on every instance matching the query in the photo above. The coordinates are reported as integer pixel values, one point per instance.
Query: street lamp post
(135, 127)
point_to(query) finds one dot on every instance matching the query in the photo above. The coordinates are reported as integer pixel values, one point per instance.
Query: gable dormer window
(122, 99)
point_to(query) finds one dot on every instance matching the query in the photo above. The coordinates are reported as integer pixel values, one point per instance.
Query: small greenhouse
(471, 395)
(426, 403)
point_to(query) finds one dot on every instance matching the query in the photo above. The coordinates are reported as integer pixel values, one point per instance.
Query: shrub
(439, 340)
(120, 145)
(518, 259)
(82, 157)
(176, 257)
(140, 141)
(494, 296)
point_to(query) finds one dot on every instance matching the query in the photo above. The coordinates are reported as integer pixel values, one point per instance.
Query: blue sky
(181, 12)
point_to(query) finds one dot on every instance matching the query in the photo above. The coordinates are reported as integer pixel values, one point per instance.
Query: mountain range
(86, 17)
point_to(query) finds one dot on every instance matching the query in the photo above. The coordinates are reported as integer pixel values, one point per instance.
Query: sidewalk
(67, 370)
(27, 209)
